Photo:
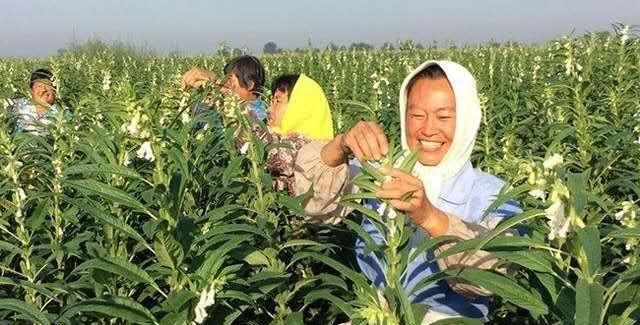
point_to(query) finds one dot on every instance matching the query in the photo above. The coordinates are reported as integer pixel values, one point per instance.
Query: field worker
(299, 113)
(439, 116)
(245, 78)
(33, 114)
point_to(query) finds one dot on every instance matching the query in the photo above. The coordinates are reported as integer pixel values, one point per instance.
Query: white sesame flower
(207, 298)
(56, 166)
(145, 152)
(106, 81)
(553, 161)
(244, 148)
(21, 195)
(185, 117)
(538, 194)
(132, 127)
(127, 161)
(558, 222)
(624, 35)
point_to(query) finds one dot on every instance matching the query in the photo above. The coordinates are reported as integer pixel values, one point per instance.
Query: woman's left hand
(406, 193)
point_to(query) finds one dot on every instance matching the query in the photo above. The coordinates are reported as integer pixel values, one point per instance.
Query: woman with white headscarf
(440, 115)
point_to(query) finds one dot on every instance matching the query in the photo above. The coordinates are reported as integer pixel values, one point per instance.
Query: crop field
(133, 211)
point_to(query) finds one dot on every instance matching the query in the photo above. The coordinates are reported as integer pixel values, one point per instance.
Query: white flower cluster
(106, 80)
(624, 34)
(572, 67)
(207, 298)
(138, 127)
(377, 81)
(545, 180)
(628, 217)
(540, 177)
(559, 224)
(146, 152)
(57, 170)
(553, 161)
(134, 126)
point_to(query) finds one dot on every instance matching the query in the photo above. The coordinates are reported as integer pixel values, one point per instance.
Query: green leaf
(122, 268)
(176, 194)
(220, 213)
(589, 302)
(256, 258)
(305, 242)
(458, 321)
(168, 251)
(370, 244)
(328, 295)
(502, 286)
(590, 240)
(9, 247)
(236, 228)
(476, 244)
(532, 260)
(24, 309)
(294, 319)
(215, 259)
(626, 318)
(177, 300)
(354, 276)
(358, 196)
(38, 216)
(106, 218)
(174, 318)
(235, 294)
(577, 185)
(89, 186)
(626, 233)
(372, 171)
(117, 307)
(233, 170)
(631, 274)
(109, 169)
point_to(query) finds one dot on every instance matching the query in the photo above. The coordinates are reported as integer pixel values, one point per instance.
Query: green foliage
(92, 230)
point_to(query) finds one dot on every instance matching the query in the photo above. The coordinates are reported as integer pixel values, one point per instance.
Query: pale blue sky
(40, 27)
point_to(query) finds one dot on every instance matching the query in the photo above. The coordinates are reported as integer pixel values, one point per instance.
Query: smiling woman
(443, 195)
(430, 116)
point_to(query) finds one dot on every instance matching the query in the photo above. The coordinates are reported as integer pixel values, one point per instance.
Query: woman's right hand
(196, 77)
(365, 140)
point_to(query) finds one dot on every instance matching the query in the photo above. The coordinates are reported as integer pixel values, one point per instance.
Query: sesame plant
(132, 209)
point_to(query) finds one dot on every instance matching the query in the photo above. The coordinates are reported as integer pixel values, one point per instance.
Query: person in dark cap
(33, 114)
(245, 78)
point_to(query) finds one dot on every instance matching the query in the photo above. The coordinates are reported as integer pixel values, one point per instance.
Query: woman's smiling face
(431, 119)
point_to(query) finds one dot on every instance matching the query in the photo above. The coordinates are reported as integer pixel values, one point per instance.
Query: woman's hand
(196, 77)
(406, 193)
(365, 140)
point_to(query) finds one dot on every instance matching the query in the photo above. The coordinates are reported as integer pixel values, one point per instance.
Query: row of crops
(132, 212)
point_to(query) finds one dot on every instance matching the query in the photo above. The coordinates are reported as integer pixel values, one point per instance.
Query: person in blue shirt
(245, 78)
(440, 115)
(35, 113)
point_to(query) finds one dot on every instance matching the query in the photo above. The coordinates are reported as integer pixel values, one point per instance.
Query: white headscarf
(468, 116)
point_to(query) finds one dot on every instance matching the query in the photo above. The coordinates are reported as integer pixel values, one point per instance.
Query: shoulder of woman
(487, 187)
(487, 184)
